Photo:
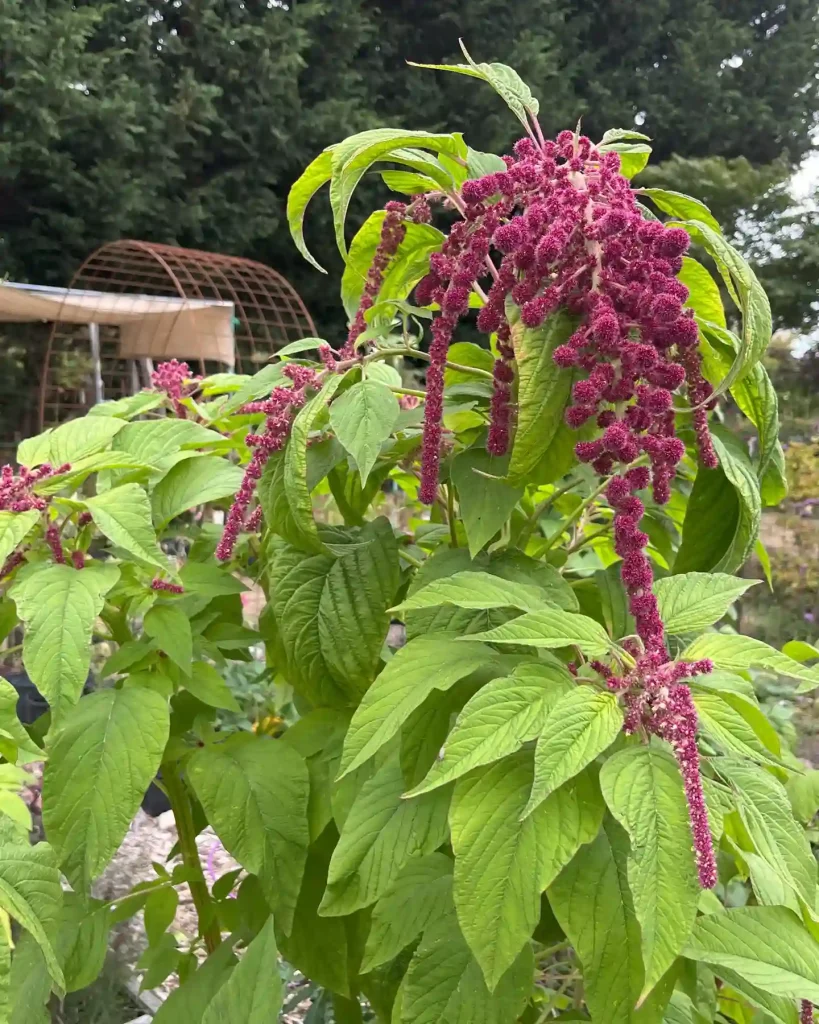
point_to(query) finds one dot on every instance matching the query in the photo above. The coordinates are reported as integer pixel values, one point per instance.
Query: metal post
(99, 390)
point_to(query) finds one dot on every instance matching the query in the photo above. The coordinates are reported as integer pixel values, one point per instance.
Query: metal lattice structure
(83, 362)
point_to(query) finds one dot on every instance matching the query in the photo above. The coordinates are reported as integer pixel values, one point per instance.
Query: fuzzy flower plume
(177, 382)
(157, 583)
(806, 1012)
(278, 410)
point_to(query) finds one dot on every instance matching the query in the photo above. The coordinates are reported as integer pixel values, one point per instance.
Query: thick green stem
(450, 514)
(183, 816)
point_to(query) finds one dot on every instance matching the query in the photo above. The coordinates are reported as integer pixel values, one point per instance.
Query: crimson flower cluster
(177, 381)
(170, 588)
(17, 495)
(278, 409)
(806, 1014)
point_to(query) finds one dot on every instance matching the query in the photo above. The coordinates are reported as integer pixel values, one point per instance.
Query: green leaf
(207, 685)
(498, 720)
(82, 940)
(255, 792)
(543, 391)
(643, 789)
(188, 1003)
(129, 407)
(803, 793)
(681, 206)
(506, 82)
(621, 134)
(381, 833)
(592, 902)
(160, 910)
(704, 296)
(503, 863)
(736, 653)
(59, 606)
(363, 418)
(317, 173)
(209, 580)
(696, 600)
(425, 664)
(406, 268)
(580, 726)
(444, 983)
(31, 893)
(763, 805)
(477, 590)
(352, 612)
(102, 758)
(419, 895)
(296, 484)
(633, 156)
(170, 628)
(152, 440)
(123, 514)
(723, 514)
(753, 302)
(551, 628)
(726, 726)
(317, 946)
(486, 501)
(13, 529)
(353, 158)
(408, 183)
(253, 992)
(70, 442)
(191, 483)
(766, 946)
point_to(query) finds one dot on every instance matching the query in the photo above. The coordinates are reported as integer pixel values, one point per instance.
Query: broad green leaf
(123, 514)
(551, 628)
(723, 514)
(29, 984)
(592, 902)
(738, 276)
(70, 442)
(506, 82)
(191, 483)
(318, 946)
(621, 134)
(486, 501)
(408, 183)
(252, 993)
(803, 792)
(704, 297)
(255, 792)
(318, 736)
(321, 459)
(59, 606)
(726, 726)
(352, 611)
(353, 158)
(102, 758)
(643, 789)
(766, 946)
(151, 440)
(681, 206)
(503, 863)
(188, 1003)
(477, 590)
(290, 623)
(763, 805)
(302, 191)
(363, 418)
(633, 156)
(580, 726)
(82, 940)
(736, 653)
(543, 391)
(498, 720)
(209, 580)
(31, 893)
(381, 833)
(696, 600)
(406, 268)
(170, 628)
(425, 664)
(129, 407)
(444, 983)
(13, 529)
(296, 485)
(205, 683)
(419, 896)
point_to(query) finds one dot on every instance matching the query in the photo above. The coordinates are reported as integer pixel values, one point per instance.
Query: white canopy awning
(151, 326)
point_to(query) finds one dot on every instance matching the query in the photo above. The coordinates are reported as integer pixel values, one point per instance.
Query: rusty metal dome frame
(269, 313)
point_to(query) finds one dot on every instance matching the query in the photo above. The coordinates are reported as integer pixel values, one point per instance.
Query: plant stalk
(183, 816)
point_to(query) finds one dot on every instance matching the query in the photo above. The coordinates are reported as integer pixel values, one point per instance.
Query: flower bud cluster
(177, 381)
